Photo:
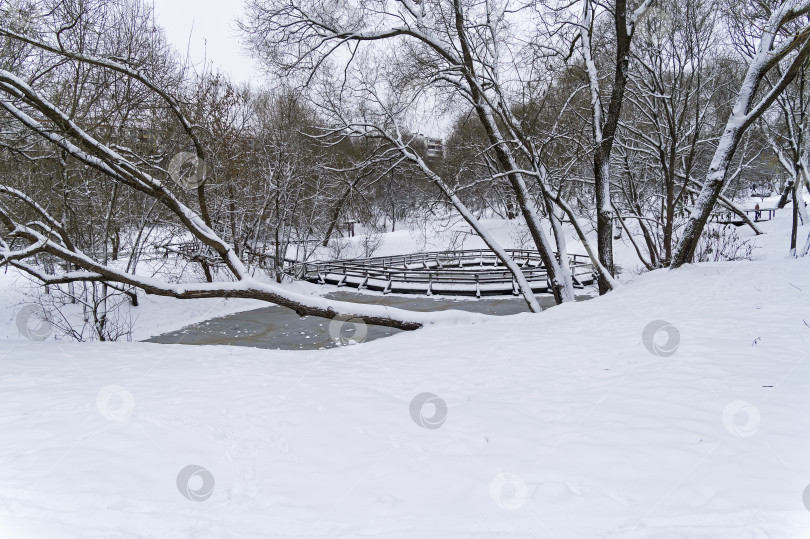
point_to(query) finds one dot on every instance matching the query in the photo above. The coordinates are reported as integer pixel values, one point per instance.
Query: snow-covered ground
(675, 407)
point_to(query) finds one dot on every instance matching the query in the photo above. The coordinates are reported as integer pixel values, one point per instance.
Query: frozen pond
(280, 328)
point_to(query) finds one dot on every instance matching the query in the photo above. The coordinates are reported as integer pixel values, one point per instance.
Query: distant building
(435, 148)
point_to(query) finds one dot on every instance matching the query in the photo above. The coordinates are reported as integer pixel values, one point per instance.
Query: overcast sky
(207, 29)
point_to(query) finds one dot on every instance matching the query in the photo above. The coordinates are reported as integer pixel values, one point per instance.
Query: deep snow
(562, 424)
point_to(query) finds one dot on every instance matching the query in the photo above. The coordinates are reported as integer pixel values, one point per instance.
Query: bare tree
(31, 231)
(786, 130)
(381, 117)
(606, 122)
(462, 47)
(668, 122)
(783, 37)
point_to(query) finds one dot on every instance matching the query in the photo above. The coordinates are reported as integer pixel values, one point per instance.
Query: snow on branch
(64, 133)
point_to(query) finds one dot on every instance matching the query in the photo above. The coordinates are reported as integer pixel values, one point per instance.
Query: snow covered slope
(675, 407)
(557, 425)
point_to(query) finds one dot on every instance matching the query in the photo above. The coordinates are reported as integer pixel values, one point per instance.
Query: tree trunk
(604, 218)
(685, 250)
(794, 229)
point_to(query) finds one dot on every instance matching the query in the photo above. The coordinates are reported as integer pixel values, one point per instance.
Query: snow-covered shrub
(520, 236)
(371, 241)
(341, 248)
(722, 244)
(362, 246)
(82, 311)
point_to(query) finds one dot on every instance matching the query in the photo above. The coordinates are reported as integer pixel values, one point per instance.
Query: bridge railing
(728, 216)
(449, 258)
(478, 267)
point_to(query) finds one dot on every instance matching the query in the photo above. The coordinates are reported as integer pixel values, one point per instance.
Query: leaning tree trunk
(715, 179)
(561, 288)
(517, 274)
(745, 112)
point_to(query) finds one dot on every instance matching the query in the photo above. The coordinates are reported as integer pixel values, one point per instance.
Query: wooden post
(364, 284)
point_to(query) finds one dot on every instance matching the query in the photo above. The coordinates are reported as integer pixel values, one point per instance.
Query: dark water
(281, 329)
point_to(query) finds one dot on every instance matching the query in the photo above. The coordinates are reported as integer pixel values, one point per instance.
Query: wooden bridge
(263, 256)
(453, 273)
(730, 218)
